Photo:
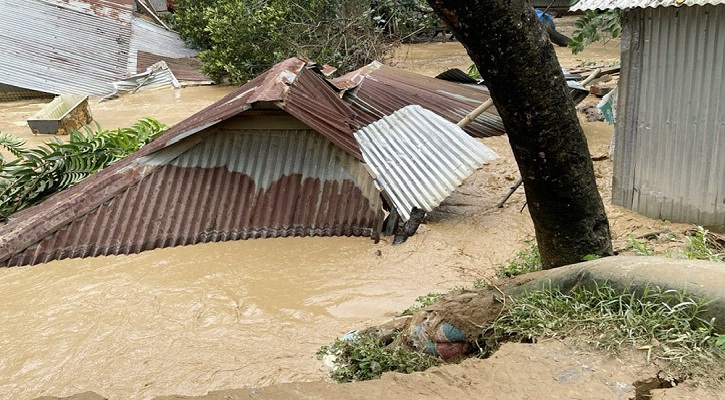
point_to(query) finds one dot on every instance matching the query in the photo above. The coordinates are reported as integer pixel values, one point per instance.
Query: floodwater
(189, 320)
(168, 106)
(192, 319)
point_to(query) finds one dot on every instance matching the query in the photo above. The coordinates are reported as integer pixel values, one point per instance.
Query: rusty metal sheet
(376, 91)
(309, 98)
(234, 185)
(185, 69)
(418, 158)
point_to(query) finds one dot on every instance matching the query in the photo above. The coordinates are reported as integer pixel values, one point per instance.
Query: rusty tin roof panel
(185, 69)
(233, 185)
(33, 224)
(585, 5)
(419, 158)
(376, 91)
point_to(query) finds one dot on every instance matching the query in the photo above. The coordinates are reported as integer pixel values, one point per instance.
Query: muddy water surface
(192, 319)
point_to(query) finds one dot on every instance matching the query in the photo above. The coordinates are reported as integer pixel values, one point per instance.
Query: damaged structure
(82, 46)
(669, 153)
(277, 157)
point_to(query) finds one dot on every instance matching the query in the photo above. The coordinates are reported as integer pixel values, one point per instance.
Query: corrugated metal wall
(669, 160)
(233, 184)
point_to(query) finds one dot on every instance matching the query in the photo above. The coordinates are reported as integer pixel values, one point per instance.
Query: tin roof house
(81, 46)
(669, 155)
(277, 157)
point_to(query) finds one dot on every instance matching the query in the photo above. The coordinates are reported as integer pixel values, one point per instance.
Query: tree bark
(513, 53)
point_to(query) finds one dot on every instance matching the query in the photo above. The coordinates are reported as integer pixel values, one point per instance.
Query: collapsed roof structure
(277, 157)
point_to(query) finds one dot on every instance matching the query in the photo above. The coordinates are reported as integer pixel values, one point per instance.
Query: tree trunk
(512, 51)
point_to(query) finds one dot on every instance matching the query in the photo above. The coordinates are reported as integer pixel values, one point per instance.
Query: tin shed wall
(669, 158)
(227, 184)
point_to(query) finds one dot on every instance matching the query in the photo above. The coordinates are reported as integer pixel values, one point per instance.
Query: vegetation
(239, 39)
(526, 260)
(698, 244)
(36, 173)
(595, 26)
(423, 301)
(665, 323)
(366, 357)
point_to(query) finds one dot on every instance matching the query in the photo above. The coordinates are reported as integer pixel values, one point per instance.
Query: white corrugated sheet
(156, 76)
(669, 160)
(584, 5)
(52, 47)
(418, 158)
(151, 38)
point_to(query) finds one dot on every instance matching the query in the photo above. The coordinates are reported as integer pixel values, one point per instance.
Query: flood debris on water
(66, 113)
(275, 158)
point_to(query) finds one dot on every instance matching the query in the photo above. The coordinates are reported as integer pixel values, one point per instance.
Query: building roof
(419, 158)
(77, 46)
(586, 5)
(376, 91)
(288, 86)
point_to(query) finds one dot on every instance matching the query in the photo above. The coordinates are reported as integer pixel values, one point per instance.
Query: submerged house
(82, 46)
(277, 157)
(669, 154)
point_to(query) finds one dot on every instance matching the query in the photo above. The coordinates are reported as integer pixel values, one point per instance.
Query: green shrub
(526, 260)
(365, 357)
(37, 173)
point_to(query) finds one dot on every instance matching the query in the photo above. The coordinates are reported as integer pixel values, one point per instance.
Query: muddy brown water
(193, 319)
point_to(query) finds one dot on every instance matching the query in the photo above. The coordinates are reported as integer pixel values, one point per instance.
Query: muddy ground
(220, 316)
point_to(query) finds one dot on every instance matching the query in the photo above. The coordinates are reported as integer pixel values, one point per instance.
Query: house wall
(251, 177)
(669, 157)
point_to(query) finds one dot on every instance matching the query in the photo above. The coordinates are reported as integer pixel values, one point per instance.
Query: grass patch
(664, 323)
(694, 244)
(703, 246)
(526, 260)
(365, 357)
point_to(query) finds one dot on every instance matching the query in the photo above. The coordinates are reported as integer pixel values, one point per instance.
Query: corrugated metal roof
(376, 91)
(585, 5)
(185, 69)
(419, 158)
(151, 38)
(235, 184)
(75, 46)
(669, 160)
(288, 85)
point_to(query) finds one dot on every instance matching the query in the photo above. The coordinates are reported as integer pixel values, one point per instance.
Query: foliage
(526, 260)
(239, 39)
(701, 247)
(595, 26)
(39, 172)
(423, 301)
(665, 323)
(366, 357)
(640, 247)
